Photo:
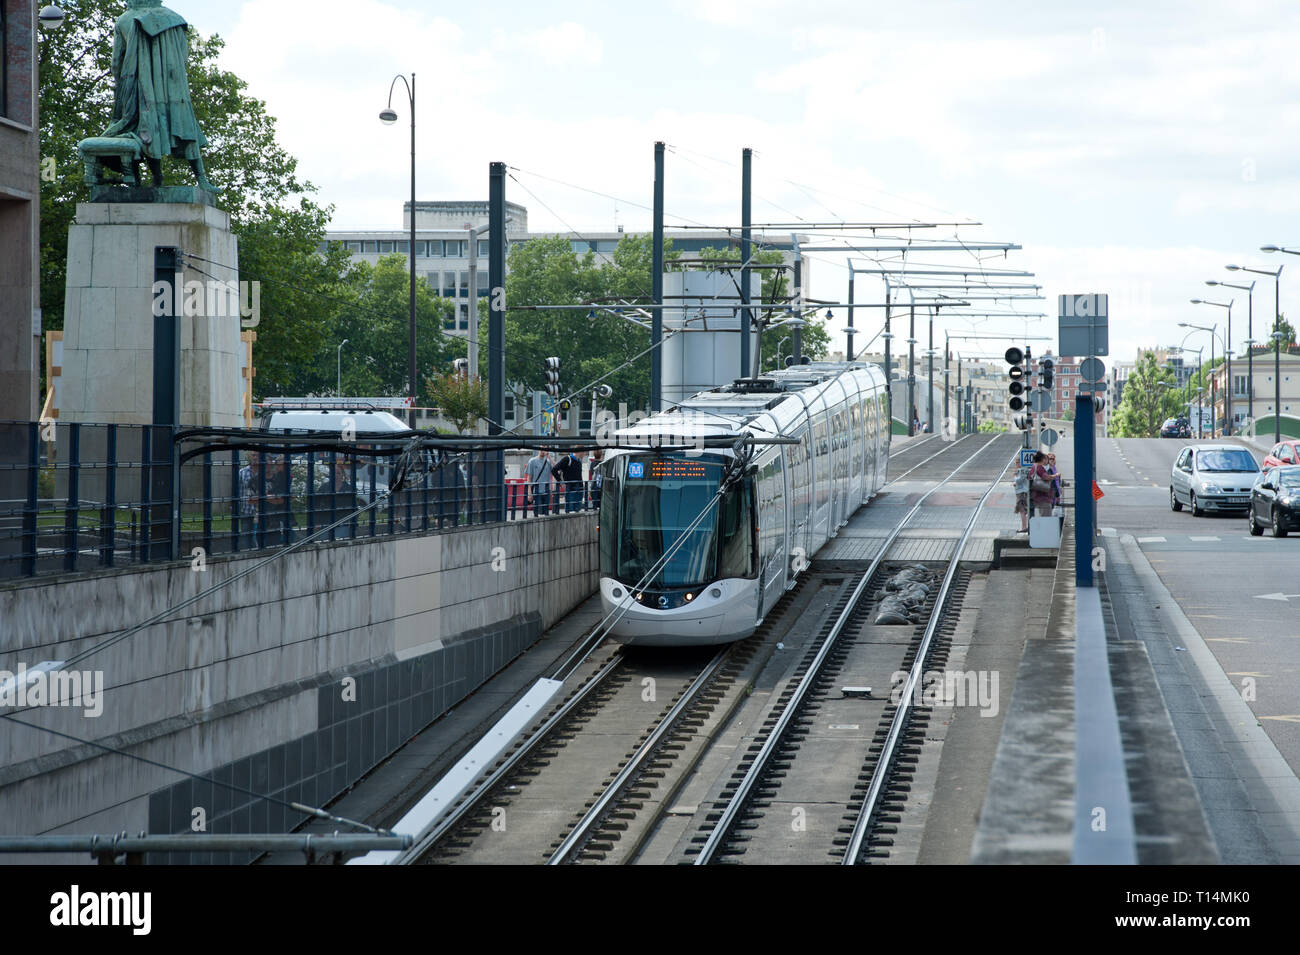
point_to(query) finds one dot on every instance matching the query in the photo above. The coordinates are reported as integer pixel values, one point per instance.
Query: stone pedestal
(108, 317)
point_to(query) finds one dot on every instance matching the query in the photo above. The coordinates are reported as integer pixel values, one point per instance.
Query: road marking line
(1151, 540)
(1226, 640)
(1289, 718)
(1204, 538)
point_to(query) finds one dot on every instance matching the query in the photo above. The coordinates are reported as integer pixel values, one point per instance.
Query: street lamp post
(1213, 330)
(1250, 332)
(388, 116)
(338, 355)
(1227, 363)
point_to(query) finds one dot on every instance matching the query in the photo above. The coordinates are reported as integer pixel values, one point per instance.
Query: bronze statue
(152, 113)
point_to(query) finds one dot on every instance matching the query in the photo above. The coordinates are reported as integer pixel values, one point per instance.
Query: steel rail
(470, 801)
(932, 457)
(614, 790)
(773, 740)
(881, 773)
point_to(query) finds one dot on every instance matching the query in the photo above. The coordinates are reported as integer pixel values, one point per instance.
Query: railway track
(597, 777)
(807, 790)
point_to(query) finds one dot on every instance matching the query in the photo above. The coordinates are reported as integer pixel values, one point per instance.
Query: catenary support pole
(496, 329)
(747, 158)
(657, 287)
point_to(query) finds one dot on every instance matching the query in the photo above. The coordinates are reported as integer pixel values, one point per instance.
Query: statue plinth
(188, 195)
(108, 320)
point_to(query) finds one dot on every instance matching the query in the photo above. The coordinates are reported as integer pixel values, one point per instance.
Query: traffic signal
(1015, 358)
(461, 367)
(1020, 422)
(551, 376)
(1045, 366)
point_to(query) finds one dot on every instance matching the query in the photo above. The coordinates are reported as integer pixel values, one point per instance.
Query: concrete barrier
(291, 682)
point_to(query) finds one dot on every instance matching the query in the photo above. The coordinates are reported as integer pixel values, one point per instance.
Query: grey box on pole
(1084, 324)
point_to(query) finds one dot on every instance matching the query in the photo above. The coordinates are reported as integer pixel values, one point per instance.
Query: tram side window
(737, 532)
(609, 505)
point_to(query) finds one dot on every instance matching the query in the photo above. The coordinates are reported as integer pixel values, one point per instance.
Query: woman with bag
(1040, 485)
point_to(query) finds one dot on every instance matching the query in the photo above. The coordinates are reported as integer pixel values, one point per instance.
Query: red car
(1286, 453)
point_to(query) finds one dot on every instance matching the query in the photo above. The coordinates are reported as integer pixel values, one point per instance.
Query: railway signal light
(1015, 358)
(551, 375)
(1045, 366)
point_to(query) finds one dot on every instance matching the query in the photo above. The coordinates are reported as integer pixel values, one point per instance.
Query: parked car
(1176, 428)
(1213, 477)
(1281, 455)
(1275, 502)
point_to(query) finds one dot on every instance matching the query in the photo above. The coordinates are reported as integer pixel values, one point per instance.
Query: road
(1241, 593)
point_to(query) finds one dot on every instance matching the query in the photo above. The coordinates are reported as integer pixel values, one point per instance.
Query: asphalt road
(1241, 593)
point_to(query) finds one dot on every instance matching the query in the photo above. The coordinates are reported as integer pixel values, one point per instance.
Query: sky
(1133, 151)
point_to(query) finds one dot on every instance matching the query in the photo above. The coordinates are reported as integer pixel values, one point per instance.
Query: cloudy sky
(1133, 152)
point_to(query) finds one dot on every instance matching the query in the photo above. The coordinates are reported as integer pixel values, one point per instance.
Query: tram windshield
(656, 498)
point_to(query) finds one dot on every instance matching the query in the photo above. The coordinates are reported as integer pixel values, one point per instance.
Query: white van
(331, 421)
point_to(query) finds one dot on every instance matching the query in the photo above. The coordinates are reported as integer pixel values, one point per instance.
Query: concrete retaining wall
(293, 680)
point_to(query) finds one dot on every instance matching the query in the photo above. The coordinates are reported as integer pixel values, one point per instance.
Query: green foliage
(1281, 324)
(991, 427)
(1147, 402)
(546, 271)
(373, 314)
(462, 399)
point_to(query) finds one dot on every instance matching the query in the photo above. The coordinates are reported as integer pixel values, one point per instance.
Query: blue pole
(1085, 508)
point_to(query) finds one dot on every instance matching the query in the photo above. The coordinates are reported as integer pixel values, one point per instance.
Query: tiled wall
(385, 708)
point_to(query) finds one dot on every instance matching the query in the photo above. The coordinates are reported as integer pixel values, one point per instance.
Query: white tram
(780, 503)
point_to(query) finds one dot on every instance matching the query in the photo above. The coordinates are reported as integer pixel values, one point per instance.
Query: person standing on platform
(1022, 498)
(568, 482)
(1056, 481)
(1040, 485)
(538, 475)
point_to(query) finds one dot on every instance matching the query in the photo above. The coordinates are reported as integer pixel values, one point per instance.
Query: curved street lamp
(388, 116)
(51, 16)
(1227, 359)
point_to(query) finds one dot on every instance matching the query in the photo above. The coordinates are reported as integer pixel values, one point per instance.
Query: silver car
(1212, 477)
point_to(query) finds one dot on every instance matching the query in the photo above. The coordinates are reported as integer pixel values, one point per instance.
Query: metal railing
(81, 497)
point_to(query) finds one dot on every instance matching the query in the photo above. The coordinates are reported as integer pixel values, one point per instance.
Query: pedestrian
(567, 473)
(248, 498)
(1040, 485)
(596, 477)
(279, 504)
(1056, 481)
(538, 474)
(916, 423)
(1022, 498)
(338, 501)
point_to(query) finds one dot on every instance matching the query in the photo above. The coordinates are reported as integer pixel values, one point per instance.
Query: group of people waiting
(266, 513)
(1038, 485)
(557, 484)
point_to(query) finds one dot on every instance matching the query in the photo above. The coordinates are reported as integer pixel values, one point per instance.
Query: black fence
(78, 497)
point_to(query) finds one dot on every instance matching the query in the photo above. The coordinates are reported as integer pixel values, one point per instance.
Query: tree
(1281, 324)
(989, 426)
(1149, 399)
(373, 314)
(462, 400)
(591, 341)
(279, 228)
